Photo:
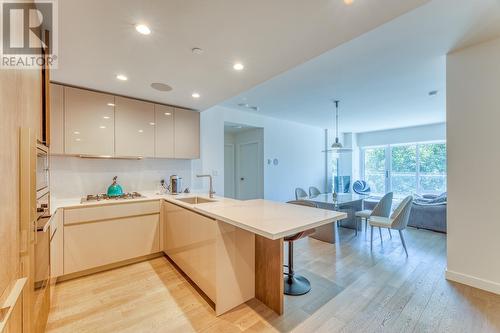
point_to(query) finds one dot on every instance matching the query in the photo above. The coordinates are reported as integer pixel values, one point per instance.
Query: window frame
(388, 162)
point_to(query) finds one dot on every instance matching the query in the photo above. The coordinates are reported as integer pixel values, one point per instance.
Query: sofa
(429, 212)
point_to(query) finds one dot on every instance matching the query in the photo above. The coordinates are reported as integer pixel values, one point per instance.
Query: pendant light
(337, 146)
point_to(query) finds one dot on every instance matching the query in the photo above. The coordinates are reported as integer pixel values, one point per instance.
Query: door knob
(242, 178)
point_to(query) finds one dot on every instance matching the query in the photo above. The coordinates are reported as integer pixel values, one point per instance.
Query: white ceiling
(97, 40)
(382, 77)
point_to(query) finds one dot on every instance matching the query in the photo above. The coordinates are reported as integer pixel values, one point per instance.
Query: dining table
(348, 203)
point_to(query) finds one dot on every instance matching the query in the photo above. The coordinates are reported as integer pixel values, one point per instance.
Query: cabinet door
(90, 245)
(190, 240)
(164, 134)
(135, 128)
(56, 244)
(89, 122)
(56, 119)
(187, 134)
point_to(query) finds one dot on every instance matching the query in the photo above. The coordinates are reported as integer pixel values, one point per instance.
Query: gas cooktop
(103, 196)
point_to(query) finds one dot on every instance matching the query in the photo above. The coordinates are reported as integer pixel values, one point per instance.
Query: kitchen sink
(195, 200)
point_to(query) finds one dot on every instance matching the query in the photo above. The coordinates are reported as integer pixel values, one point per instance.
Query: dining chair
(314, 191)
(383, 209)
(295, 284)
(300, 193)
(397, 221)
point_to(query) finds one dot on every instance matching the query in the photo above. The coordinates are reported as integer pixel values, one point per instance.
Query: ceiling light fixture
(122, 77)
(106, 117)
(238, 66)
(151, 123)
(337, 146)
(111, 104)
(143, 29)
(168, 114)
(348, 2)
(195, 95)
(76, 132)
(102, 127)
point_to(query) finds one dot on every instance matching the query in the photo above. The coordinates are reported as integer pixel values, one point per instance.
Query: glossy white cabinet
(89, 122)
(56, 119)
(164, 133)
(187, 134)
(134, 128)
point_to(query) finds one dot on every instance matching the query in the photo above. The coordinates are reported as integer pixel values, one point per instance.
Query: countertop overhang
(273, 220)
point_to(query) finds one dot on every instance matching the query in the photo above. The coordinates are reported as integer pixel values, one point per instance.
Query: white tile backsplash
(73, 177)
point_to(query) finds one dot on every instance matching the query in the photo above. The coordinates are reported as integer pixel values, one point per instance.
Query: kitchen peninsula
(232, 250)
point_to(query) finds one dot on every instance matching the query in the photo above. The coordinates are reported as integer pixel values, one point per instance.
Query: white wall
(433, 132)
(73, 177)
(473, 137)
(297, 147)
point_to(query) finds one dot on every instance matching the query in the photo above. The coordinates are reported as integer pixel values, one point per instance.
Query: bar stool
(295, 284)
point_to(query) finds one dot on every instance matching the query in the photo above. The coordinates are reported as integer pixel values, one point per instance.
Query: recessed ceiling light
(151, 123)
(111, 104)
(197, 50)
(106, 117)
(140, 131)
(168, 114)
(122, 77)
(195, 95)
(238, 66)
(143, 29)
(161, 86)
(78, 139)
(76, 132)
(348, 2)
(102, 127)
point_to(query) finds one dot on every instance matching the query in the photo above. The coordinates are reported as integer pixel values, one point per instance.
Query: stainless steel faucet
(211, 191)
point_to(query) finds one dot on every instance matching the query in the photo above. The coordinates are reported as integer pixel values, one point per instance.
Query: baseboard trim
(473, 281)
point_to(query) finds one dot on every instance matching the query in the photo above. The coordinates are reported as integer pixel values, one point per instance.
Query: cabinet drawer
(113, 211)
(95, 244)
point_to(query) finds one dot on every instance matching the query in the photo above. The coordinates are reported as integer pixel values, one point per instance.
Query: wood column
(269, 272)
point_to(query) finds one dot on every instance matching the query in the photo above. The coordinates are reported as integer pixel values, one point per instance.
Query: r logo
(23, 27)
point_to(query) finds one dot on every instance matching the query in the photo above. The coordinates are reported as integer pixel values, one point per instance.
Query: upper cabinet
(89, 122)
(187, 134)
(56, 119)
(164, 132)
(135, 128)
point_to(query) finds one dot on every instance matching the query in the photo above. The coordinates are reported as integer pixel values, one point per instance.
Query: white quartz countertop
(266, 218)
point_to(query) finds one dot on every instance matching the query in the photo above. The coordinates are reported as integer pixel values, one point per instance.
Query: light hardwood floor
(353, 290)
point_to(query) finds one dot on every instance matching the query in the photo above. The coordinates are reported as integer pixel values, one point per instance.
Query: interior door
(229, 162)
(248, 171)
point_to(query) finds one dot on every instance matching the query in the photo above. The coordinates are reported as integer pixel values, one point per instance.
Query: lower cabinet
(190, 241)
(56, 244)
(92, 243)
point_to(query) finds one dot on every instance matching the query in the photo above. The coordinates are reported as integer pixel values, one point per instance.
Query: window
(375, 169)
(405, 169)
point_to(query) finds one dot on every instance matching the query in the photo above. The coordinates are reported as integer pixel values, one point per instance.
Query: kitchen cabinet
(56, 244)
(89, 122)
(164, 131)
(134, 128)
(56, 119)
(109, 234)
(190, 241)
(187, 134)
